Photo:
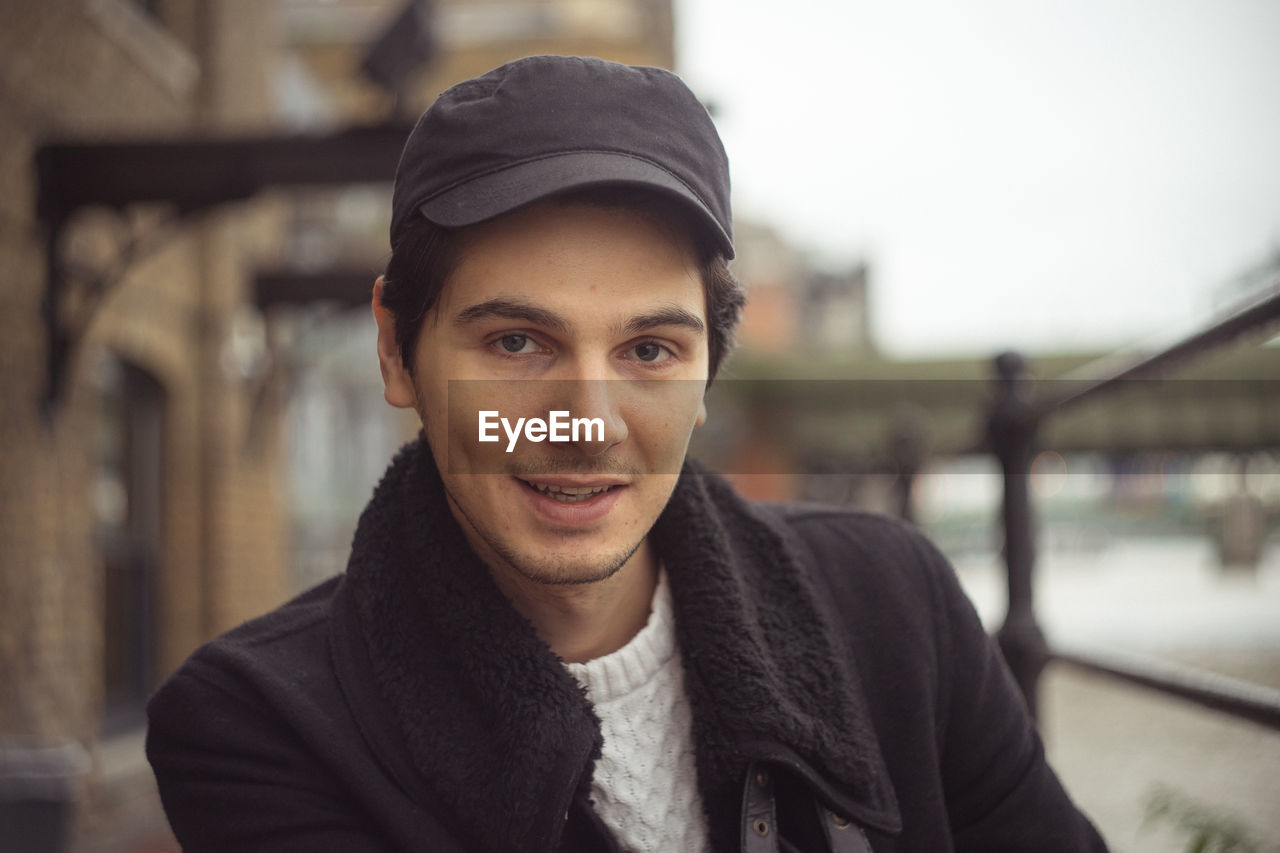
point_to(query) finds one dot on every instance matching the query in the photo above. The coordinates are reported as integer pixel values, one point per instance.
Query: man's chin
(570, 571)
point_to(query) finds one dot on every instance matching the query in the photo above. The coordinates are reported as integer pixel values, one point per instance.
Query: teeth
(569, 494)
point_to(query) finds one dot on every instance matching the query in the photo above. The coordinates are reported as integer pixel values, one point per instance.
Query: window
(127, 506)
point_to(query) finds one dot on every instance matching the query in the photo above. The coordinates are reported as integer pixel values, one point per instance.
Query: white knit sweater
(645, 784)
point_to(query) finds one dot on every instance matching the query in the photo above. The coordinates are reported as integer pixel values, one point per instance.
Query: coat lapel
(763, 672)
(499, 730)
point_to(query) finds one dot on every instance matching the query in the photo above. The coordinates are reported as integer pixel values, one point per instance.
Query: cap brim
(496, 193)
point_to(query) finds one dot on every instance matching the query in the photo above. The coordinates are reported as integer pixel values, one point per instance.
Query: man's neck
(581, 622)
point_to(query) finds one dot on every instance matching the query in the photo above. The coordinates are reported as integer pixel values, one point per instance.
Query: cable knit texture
(645, 785)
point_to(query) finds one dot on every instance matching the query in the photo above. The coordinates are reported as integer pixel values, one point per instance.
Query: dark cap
(545, 124)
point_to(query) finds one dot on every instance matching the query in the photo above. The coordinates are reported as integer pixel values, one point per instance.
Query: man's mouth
(568, 494)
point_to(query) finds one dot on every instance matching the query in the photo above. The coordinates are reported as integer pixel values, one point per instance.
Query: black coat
(844, 697)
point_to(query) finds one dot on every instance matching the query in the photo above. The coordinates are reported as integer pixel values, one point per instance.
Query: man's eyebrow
(511, 309)
(668, 315)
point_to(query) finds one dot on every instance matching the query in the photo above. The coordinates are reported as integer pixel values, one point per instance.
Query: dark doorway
(127, 488)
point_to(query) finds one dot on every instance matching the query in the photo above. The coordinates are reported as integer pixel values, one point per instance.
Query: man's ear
(702, 413)
(397, 384)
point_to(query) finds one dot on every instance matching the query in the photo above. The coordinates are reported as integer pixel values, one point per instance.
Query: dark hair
(426, 255)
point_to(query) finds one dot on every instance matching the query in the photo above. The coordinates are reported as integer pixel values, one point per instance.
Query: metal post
(906, 451)
(1011, 429)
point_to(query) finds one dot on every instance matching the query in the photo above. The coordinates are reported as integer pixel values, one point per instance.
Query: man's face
(597, 311)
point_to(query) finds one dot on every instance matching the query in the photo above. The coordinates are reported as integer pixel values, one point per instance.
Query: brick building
(140, 513)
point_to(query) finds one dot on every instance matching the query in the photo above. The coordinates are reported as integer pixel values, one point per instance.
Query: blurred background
(195, 205)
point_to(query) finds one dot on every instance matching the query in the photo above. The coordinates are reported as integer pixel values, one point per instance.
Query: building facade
(140, 510)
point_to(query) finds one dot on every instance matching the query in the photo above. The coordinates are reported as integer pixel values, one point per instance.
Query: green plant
(1208, 830)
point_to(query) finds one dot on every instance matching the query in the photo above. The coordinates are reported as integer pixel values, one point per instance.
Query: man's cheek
(662, 414)
(489, 423)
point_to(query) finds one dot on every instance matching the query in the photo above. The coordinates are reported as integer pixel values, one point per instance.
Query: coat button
(760, 827)
(840, 821)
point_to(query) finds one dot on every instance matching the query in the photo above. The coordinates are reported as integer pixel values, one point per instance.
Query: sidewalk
(1114, 745)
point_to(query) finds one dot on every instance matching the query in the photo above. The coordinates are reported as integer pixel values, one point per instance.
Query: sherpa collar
(503, 734)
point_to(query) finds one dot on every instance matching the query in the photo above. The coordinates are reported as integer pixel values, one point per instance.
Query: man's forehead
(556, 259)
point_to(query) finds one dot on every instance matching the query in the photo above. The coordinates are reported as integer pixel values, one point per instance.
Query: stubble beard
(561, 572)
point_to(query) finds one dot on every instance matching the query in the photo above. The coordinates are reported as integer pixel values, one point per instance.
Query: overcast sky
(1046, 174)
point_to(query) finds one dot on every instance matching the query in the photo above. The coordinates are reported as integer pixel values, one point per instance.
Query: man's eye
(651, 352)
(514, 343)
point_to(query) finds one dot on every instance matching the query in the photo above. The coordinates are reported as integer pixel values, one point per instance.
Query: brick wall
(87, 69)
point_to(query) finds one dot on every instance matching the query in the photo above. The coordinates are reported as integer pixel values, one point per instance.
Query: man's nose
(601, 403)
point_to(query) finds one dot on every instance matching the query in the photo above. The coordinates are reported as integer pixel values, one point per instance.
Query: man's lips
(572, 489)
(579, 481)
(583, 503)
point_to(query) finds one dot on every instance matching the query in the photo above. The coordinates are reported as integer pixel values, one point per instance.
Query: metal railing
(1014, 421)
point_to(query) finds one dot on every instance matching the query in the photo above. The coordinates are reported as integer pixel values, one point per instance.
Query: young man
(560, 639)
